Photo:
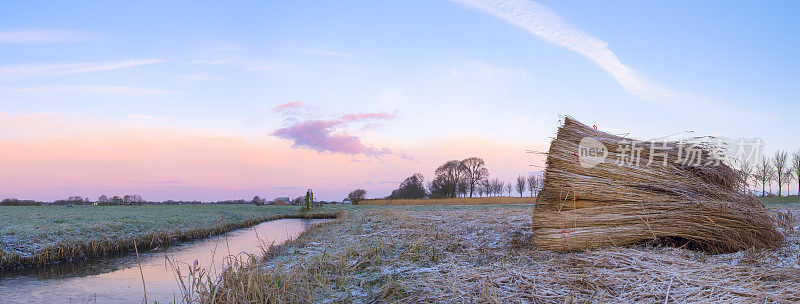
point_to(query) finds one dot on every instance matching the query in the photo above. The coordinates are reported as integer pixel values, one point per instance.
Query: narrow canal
(117, 279)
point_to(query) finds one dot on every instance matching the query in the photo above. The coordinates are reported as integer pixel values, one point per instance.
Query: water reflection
(118, 280)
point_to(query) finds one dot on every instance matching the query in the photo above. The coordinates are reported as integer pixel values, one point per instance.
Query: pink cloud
(326, 135)
(318, 135)
(290, 106)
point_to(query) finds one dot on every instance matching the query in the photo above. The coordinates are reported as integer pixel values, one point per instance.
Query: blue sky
(465, 72)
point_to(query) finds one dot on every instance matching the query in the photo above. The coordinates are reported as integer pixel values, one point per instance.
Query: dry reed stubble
(467, 256)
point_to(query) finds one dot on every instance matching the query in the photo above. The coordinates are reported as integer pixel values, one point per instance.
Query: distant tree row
(128, 199)
(18, 202)
(258, 201)
(778, 169)
(132, 199)
(412, 187)
(73, 200)
(458, 178)
(463, 178)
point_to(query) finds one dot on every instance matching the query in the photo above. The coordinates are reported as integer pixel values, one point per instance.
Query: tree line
(464, 178)
(129, 199)
(778, 168)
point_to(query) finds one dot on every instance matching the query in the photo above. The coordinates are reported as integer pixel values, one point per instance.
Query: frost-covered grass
(52, 233)
(445, 254)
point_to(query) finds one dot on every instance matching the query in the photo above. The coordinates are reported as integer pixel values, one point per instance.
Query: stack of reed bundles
(618, 203)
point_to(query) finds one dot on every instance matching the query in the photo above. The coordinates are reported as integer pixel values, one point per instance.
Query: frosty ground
(35, 235)
(480, 254)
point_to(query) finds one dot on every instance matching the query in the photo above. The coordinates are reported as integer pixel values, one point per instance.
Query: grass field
(36, 235)
(783, 201)
(482, 254)
(43, 234)
(500, 200)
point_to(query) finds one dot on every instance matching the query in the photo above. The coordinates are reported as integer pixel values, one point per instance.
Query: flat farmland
(44, 234)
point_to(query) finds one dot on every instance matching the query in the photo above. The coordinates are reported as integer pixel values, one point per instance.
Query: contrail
(542, 22)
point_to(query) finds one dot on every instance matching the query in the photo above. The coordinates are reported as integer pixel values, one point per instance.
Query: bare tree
(474, 171)
(779, 161)
(746, 170)
(756, 181)
(771, 178)
(258, 201)
(486, 186)
(788, 176)
(796, 168)
(509, 187)
(521, 185)
(103, 199)
(533, 184)
(447, 179)
(763, 173)
(497, 186)
(354, 196)
(462, 187)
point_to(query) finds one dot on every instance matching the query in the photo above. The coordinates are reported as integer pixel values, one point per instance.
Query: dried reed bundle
(622, 202)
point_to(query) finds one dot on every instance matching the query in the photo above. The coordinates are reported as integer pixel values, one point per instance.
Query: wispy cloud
(247, 64)
(25, 71)
(85, 90)
(324, 52)
(537, 19)
(541, 21)
(45, 36)
(148, 117)
(290, 106)
(201, 77)
(326, 135)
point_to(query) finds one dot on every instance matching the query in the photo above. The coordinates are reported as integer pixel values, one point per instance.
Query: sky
(209, 100)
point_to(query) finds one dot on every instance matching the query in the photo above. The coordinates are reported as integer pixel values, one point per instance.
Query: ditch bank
(66, 251)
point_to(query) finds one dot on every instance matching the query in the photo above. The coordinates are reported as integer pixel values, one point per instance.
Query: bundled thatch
(618, 202)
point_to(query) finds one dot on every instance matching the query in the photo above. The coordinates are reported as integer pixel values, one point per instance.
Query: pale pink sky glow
(90, 157)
